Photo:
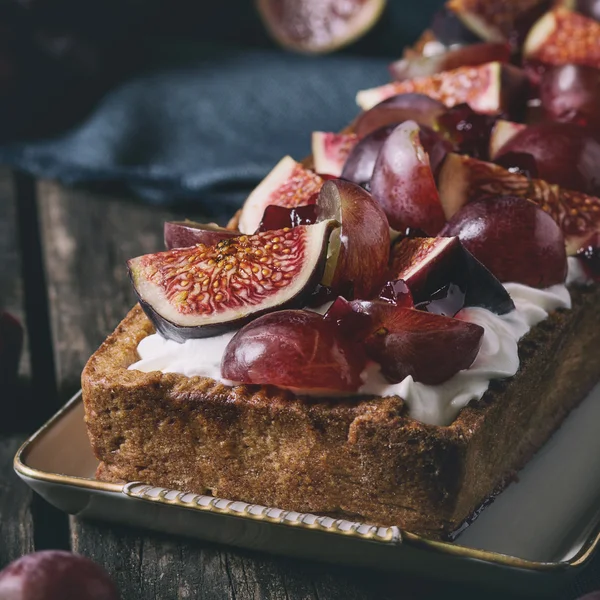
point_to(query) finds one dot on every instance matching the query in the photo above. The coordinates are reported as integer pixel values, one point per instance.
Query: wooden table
(62, 272)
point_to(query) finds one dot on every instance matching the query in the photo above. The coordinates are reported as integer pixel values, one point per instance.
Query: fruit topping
(55, 575)
(589, 8)
(571, 93)
(359, 250)
(182, 234)
(397, 109)
(294, 349)
(462, 179)
(502, 131)
(280, 217)
(289, 184)
(467, 56)
(521, 163)
(514, 238)
(361, 161)
(565, 154)
(468, 131)
(449, 30)
(490, 88)
(398, 293)
(330, 150)
(11, 346)
(562, 37)
(403, 182)
(406, 342)
(443, 277)
(318, 26)
(589, 256)
(494, 21)
(205, 290)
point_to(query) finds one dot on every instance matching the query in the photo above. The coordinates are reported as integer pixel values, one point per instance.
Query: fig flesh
(289, 184)
(490, 88)
(330, 151)
(467, 56)
(397, 109)
(514, 238)
(564, 153)
(206, 290)
(182, 234)
(360, 248)
(403, 182)
(297, 350)
(318, 26)
(563, 37)
(463, 179)
(444, 277)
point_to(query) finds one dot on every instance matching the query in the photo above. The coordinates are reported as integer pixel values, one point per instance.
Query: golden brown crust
(364, 457)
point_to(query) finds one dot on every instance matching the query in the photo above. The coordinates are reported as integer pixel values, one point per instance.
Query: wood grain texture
(16, 521)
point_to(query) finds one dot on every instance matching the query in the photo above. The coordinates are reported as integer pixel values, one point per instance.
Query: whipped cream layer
(434, 405)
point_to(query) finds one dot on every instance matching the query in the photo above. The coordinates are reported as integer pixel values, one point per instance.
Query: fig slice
(467, 56)
(330, 151)
(444, 277)
(359, 250)
(489, 88)
(407, 342)
(508, 20)
(297, 350)
(289, 184)
(514, 238)
(397, 109)
(403, 182)
(182, 234)
(502, 132)
(463, 179)
(206, 290)
(561, 37)
(318, 26)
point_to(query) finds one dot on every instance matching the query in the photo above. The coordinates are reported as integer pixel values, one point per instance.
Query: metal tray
(537, 535)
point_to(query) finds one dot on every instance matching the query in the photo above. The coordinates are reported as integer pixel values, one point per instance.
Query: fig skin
(182, 234)
(514, 238)
(294, 349)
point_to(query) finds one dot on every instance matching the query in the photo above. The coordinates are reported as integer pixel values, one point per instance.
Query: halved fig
(289, 184)
(205, 290)
(296, 350)
(561, 37)
(182, 234)
(490, 88)
(360, 249)
(589, 8)
(463, 179)
(280, 217)
(565, 154)
(444, 277)
(403, 182)
(514, 238)
(571, 93)
(318, 26)
(397, 109)
(467, 56)
(508, 20)
(410, 343)
(330, 151)
(502, 132)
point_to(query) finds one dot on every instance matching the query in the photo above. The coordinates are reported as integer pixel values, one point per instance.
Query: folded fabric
(205, 125)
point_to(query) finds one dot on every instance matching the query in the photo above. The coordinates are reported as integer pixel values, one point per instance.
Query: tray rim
(392, 536)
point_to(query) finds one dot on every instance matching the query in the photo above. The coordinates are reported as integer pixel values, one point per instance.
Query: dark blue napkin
(205, 124)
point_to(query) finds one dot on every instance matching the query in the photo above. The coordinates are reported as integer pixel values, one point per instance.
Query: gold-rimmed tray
(539, 533)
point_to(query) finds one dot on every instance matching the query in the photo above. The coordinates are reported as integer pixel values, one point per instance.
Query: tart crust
(361, 458)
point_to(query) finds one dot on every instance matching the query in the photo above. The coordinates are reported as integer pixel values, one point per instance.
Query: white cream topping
(576, 274)
(435, 405)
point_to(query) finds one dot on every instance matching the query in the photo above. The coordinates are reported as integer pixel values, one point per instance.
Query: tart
(387, 332)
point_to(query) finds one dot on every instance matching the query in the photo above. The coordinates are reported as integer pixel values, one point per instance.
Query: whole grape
(55, 575)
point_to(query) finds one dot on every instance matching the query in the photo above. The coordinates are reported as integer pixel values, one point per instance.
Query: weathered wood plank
(16, 522)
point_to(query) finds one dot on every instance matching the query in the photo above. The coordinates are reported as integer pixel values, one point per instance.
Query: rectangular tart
(362, 458)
